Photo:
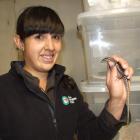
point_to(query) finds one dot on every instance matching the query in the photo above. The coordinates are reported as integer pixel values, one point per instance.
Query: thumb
(113, 70)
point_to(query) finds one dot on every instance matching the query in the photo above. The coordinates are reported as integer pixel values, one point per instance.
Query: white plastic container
(109, 32)
(96, 94)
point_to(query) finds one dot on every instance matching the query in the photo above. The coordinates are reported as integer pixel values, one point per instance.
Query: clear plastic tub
(110, 32)
(96, 94)
(92, 5)
(96, 102)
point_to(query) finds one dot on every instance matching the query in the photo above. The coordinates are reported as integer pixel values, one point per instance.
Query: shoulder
(4, 85)
(68, 82)
(4, 77)
(6, 80)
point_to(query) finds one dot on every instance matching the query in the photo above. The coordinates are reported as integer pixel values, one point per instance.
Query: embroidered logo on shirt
(68, 100)
(65, 100)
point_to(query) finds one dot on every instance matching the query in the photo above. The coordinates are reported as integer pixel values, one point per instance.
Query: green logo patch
(65, 100)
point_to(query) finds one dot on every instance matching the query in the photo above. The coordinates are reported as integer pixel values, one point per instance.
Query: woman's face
(41, 51)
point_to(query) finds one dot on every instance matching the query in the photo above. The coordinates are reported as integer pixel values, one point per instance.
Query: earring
(21, 48)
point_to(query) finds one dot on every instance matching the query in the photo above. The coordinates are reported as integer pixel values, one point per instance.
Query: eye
(38, 36)
(57, 37)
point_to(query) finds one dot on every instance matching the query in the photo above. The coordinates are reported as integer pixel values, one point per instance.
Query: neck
(42, 76)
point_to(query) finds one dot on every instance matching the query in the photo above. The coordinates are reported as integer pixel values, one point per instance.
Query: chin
(48, 68)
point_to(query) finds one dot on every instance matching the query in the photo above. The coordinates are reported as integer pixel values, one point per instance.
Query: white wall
(72, 54)
(7, 52)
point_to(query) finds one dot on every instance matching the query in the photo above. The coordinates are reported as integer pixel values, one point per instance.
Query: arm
(109, 121)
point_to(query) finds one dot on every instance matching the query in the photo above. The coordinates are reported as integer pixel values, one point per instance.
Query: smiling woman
(38, 101)
(40, 38)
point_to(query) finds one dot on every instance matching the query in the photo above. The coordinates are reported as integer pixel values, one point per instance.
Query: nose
(49, 45)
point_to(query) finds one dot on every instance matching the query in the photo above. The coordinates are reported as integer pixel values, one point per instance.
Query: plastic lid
(106, 13)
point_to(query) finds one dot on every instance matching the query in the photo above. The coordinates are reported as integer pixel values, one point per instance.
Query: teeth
(47, 57)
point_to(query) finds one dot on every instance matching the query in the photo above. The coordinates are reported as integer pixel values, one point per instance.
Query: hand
(116, 86)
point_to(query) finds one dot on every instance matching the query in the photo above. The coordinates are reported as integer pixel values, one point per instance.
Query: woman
(39, 102)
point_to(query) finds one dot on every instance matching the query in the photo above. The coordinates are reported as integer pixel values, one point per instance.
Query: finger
(113, 70)
(121, 61)
(108, 74)
(129, 72)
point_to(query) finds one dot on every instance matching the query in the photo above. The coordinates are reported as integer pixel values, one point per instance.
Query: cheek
(58, 47)
(31, 52)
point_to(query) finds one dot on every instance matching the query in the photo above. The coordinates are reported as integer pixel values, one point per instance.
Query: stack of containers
(110, 27)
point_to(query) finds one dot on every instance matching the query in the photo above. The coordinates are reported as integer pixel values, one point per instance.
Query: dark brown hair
(38, 19)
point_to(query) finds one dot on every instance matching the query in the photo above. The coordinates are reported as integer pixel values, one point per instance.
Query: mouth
(47, 58)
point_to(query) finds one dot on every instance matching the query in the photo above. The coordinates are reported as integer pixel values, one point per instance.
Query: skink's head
(107, 59)
(118, 66)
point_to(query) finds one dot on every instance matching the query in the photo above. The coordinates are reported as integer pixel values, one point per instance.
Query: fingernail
(111, 64)
(126, 73)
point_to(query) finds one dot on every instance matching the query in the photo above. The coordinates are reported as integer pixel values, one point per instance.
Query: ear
(18, 42)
